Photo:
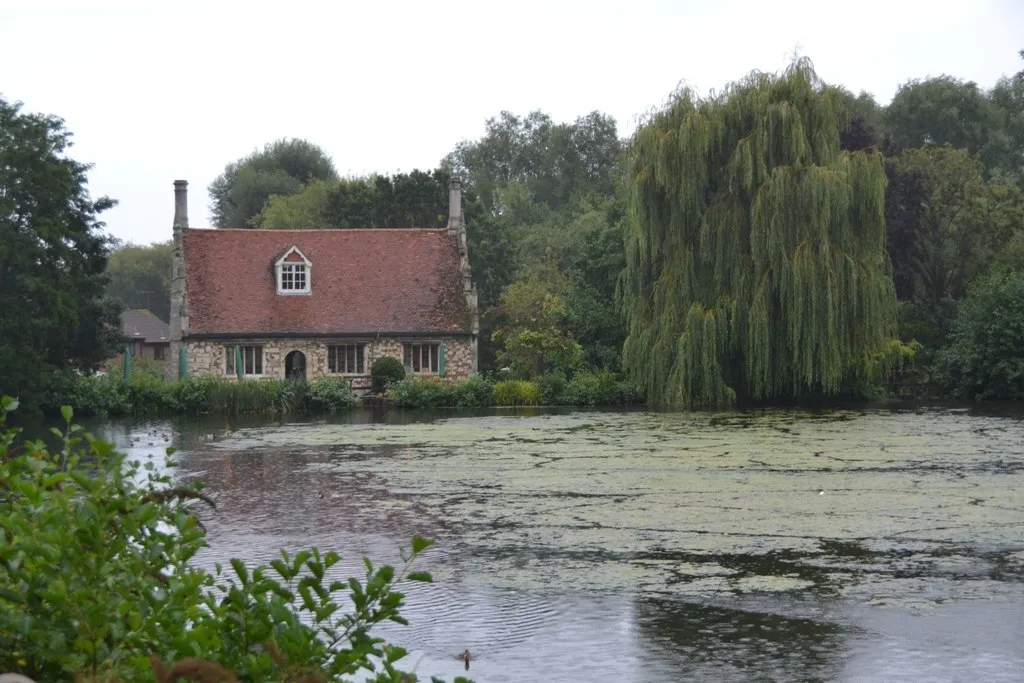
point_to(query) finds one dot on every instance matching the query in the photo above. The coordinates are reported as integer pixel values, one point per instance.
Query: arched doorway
(295, 365)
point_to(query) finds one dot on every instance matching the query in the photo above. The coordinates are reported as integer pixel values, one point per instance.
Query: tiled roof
(363, 281)
(139, 323)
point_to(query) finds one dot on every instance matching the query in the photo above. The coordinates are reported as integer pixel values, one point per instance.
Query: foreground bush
(95, 581)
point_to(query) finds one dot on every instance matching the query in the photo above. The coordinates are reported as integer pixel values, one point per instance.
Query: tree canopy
(53, 254)
(282, 167)
(946, 224)
(755, 248)
(140, 277)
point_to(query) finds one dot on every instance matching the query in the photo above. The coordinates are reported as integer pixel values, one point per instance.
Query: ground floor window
(346, 359)
(159, 353)
(252, 360)
(422, 358)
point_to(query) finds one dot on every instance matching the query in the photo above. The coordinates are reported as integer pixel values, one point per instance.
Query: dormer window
(293, 271)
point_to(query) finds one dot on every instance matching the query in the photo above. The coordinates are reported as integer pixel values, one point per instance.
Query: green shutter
(127, 363)
(239, 362)
(182, 363)
(440, 361)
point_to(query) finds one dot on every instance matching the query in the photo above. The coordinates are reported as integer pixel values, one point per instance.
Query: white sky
(155, 90)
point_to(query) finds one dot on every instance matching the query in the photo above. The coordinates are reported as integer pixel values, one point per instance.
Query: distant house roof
(139, 323)
(363, 281)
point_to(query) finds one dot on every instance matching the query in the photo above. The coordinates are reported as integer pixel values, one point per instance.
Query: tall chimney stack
(176, 366)
(180, 204)
(454, 204)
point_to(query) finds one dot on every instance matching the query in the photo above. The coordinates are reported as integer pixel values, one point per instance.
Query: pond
(846, 545)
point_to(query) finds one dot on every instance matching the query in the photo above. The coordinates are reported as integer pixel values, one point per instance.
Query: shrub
(552, 387)
(985, 356)
(422, 392)
(475, 392)
(598, 389)
(516, 392)
(95, 578)
(111, 395)
(331, 395)
(385, 371)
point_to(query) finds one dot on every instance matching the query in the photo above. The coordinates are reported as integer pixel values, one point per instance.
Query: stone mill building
(251, 303)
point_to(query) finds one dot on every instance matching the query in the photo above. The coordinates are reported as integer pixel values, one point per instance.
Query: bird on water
(465, 656)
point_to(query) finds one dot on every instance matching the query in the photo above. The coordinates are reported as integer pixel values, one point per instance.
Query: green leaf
(240, 570)
(419, 544)
(66, 413)
(424, 577)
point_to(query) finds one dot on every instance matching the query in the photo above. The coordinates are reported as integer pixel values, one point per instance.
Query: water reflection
(576, 546)
(705, 642)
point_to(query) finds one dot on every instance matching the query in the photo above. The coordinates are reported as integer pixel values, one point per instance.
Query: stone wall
(208, 357)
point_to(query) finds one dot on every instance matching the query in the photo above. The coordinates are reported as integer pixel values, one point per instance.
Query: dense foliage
(282, 167)
(385, 371)
(553, 389)
(54, 318)
(151, 395)
(140, 277)
(97, 583)
(755, 256)
(985, 357)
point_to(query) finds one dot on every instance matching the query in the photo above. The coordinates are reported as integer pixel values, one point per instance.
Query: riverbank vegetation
(783, 241)
(145, 395)
(97, 583)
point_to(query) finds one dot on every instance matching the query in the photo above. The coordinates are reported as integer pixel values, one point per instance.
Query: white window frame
(282, 265)
(229, 355)
(359, 352)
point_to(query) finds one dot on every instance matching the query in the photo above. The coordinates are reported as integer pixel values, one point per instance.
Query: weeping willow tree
(755, 248)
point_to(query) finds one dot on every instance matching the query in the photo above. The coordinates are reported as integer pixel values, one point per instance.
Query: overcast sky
(154, 90)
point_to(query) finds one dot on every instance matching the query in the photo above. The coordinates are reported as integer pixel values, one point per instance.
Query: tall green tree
(559, 163)
(946, 225)
(947, 110)
(283, 167)
(140, 277)
(53, 316)
(531, 327)
(755, 247)
(1008, 94)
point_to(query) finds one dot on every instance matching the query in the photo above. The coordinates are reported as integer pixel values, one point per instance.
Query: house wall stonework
(208, 357)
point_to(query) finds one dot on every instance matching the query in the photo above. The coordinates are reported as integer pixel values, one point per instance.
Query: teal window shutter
(239, 368)
(127, 363)
(440, 360)
(182, 363)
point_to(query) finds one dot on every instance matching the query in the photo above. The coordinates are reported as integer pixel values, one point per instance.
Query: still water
(867, 545)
